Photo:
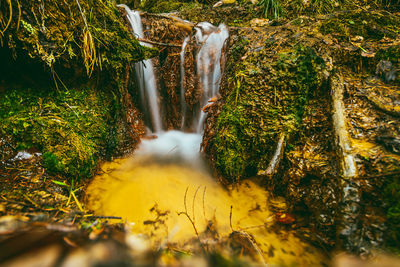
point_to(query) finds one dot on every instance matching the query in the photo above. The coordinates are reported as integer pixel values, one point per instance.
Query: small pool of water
(156, 196)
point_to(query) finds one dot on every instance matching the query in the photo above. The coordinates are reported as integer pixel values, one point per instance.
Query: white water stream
(211, 40)
(145, 75)
(183, 102)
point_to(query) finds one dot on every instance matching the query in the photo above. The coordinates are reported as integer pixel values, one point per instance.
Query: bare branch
(158, 43)
(194, 198)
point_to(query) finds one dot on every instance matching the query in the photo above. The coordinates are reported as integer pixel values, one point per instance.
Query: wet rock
(386, 70)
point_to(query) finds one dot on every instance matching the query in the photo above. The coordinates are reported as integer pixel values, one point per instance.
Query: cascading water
(145, 74)
(150, 190)
(183, 102)
(212, 40)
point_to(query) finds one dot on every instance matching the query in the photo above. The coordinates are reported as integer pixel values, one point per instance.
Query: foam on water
(172, 144)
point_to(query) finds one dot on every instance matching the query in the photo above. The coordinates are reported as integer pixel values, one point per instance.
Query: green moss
(324, 6)
(391, 54)
(163, 6)
(371, 25)
(267, 99)
(59, 32)
(392, 200)
(70, 127)
(56, 43)
(238, 14)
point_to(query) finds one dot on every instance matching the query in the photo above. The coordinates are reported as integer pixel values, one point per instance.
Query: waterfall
(212, 40)
(145, 74)
(183, 102)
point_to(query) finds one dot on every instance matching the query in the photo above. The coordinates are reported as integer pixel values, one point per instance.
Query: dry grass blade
(89, 48)
(77, 201)
(89, 52)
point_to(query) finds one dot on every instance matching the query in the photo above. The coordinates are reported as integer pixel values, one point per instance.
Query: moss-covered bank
(66, 80)
(277, 83)
(267, 97)
(72, 128)
(92, 33)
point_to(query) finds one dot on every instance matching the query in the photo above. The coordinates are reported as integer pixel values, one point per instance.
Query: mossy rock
(70, 127)
(266, 99)
(83, 33)
(68, 64)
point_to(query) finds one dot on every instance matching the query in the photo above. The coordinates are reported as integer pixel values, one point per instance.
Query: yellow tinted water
(151, 195)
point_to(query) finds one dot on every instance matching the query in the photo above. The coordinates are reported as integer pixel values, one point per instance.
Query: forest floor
(47, 211)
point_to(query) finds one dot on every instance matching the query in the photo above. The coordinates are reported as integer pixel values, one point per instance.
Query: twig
(104, 217)
(83, 16)
(194, 199)
(230, 219)
(76, 201)
(187, 215)
(158, 43)
(253, 227)
(191, 221)
(189, 218)
(276, 158)
(240, 28)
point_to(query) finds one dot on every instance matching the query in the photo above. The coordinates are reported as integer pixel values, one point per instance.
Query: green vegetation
(392, 200)
(83, 45)
(70, 127)
(73, 33)
(163, 6)
(266, 99)
(369, 25)
(271, 8)
(392, 54)
(324, 6)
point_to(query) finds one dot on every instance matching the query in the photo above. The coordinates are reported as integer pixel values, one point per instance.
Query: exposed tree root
(349, 209)
(349, 168)
(388, 109)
